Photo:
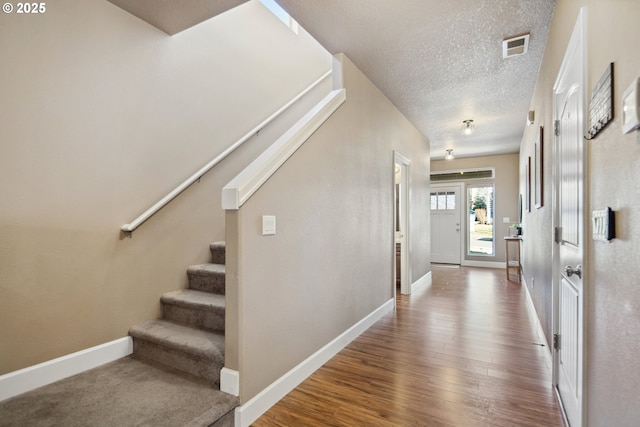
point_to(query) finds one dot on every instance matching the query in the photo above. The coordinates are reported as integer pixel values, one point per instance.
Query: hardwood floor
(461, 352)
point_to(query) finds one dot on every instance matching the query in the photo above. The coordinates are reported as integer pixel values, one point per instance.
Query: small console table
(513, 261)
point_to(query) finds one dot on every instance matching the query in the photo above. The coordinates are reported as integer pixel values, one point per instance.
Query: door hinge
(556, 128)
(557, 234)
(556, 342)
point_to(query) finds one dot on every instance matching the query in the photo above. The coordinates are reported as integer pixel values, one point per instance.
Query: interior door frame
(405, 223)
(579, 37)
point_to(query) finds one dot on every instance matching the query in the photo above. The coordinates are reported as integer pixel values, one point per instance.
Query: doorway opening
(401, 240)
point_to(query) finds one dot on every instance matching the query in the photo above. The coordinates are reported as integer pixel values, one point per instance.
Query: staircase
(190, 335)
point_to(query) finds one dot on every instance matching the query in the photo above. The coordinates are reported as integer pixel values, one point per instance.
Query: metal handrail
(129, 228)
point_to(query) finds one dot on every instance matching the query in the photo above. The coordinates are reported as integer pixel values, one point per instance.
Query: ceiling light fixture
(467, 127)
(449, 155)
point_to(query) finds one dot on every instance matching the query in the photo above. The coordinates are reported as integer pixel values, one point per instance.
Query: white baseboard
(230, 381)
(27, 379)
(423, 281)
(258, 405)
(536, 319)
(483, 264)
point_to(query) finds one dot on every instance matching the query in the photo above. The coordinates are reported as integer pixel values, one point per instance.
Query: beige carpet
(126, 392)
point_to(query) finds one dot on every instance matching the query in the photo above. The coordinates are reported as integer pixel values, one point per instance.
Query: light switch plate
(268, 225)
(603, 223)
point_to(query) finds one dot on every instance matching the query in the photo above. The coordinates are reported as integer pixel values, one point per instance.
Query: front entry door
(569, 221)
(445, 224)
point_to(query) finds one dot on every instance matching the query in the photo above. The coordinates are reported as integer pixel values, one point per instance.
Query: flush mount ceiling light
(449, 155)
(467, 127)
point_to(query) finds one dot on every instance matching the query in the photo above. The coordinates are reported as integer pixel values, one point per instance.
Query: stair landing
(121, 393)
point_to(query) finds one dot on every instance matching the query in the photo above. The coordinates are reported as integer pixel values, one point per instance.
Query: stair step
(217, 252)
(194, 351)
(199, 309)
(126, 392)
(207, 278)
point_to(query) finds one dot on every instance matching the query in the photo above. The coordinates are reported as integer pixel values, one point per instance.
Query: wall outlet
(506, 220)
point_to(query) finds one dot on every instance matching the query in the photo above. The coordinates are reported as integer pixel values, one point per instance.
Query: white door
(446, 224)
(569, 95)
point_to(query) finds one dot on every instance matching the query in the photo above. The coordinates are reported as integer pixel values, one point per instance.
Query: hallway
(461, 352)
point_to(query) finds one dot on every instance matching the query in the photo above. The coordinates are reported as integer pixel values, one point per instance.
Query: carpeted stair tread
(196, 299)
(207, 269)
(126, 392)
(218, 251)
(207, 278)
(196, 342)
(198, 309)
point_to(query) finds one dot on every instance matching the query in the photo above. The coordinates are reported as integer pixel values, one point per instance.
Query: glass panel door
(481, 234)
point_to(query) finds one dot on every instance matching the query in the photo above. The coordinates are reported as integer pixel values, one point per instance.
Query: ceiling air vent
(515, 46)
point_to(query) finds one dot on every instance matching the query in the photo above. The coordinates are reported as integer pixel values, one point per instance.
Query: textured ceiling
(440, 62)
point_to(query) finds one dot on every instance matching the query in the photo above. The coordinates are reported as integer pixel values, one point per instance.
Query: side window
(481, 233)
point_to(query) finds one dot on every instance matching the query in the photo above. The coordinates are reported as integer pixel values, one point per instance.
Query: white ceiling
(440, 62)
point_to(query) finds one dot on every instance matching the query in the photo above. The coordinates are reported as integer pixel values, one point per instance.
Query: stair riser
(210, 319)
(188, 363)
(212, 282)
(226, 421)
(218, 254)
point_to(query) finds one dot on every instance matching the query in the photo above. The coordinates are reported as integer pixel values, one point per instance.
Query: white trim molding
(27, 379)
(541, 335)
(425, 280)
(230, 381)
(242, 187)
(483, 264)
(258, 405)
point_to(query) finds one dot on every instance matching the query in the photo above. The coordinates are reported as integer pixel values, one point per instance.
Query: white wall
(330, 263)
(613, 171)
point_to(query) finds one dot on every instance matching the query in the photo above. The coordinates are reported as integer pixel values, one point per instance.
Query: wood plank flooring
(461, 352)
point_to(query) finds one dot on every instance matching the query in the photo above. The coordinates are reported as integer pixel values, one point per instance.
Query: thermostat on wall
(631, 107)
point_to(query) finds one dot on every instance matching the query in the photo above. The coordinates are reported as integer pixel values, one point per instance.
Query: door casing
(405, 223)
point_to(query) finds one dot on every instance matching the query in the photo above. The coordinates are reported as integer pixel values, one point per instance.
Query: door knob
(570, 271)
